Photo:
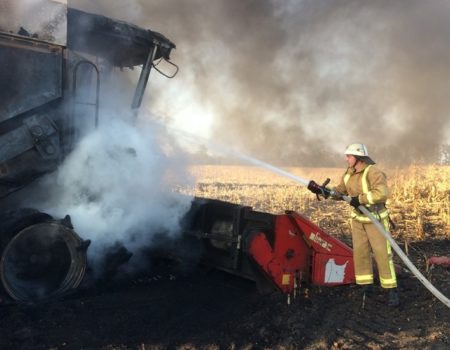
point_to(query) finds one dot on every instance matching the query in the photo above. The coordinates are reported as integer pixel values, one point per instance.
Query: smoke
(118, 186)
(44, 19)
(293, 82)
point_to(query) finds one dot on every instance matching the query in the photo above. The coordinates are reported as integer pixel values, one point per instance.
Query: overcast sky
(293, 82)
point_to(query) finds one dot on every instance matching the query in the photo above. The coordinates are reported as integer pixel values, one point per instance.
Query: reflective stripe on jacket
(370, 185)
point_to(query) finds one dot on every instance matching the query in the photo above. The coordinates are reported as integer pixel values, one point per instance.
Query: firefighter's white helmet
(359, 150)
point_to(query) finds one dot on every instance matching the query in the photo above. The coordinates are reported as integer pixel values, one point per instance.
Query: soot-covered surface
(204, 309)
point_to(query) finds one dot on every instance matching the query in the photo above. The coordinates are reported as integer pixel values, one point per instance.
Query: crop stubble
(419, 203)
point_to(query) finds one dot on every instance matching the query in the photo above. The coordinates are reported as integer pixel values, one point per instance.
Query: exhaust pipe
(43, 261)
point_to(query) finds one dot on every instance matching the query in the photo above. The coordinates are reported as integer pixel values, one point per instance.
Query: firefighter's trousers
(366, 236)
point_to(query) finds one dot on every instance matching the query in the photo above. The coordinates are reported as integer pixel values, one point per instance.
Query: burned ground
(169, 308)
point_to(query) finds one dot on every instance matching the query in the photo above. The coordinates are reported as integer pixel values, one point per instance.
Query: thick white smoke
(118, 186)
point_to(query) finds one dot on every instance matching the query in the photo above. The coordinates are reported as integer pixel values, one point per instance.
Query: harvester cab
(54, 61)
(50, 86)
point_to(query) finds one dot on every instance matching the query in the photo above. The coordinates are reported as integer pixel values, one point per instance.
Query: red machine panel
(332, 259)
(301, 251)
(288, 259)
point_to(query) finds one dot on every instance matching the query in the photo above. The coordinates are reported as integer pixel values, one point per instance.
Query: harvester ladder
(97, 90)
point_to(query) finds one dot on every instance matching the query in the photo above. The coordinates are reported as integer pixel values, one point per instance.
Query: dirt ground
(170, 308)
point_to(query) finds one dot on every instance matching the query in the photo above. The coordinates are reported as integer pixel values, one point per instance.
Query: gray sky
(293, 82)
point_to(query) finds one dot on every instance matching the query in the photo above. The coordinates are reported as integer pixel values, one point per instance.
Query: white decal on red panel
(315, 237)
(334, 273)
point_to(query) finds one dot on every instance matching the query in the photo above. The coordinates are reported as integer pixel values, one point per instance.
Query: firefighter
(366, 185)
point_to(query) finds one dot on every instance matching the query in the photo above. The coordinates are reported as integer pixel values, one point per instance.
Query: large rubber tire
(41, 258)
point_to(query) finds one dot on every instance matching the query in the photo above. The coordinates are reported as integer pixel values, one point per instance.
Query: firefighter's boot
(393, 298)
(366, 293)
(367, 290)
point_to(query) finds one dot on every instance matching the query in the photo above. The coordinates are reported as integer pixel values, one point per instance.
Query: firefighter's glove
(318, 190)
(354, 202)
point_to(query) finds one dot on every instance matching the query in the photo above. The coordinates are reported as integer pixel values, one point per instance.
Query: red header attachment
(299, 251)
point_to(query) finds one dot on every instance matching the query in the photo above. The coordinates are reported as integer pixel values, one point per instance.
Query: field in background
(419, 203)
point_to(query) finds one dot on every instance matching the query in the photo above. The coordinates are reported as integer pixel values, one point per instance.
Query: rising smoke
(295, 81)
(118, 186)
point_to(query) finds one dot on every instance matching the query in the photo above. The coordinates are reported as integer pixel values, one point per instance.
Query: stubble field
(419, 203)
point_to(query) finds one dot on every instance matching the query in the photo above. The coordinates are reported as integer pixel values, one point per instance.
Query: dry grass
(419, 204)
(420, 200)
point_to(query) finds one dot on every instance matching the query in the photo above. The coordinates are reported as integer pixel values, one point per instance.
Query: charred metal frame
(143, 78)
(225, 249)
(37, 130)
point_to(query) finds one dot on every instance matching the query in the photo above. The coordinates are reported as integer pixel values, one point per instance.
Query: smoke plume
(294, 82)
(118, 186)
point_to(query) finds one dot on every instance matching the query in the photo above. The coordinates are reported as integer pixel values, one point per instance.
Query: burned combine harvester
(52, 62)
(282, 251)
(52, 72)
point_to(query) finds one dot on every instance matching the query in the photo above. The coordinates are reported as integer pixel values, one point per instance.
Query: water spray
(271, 168)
